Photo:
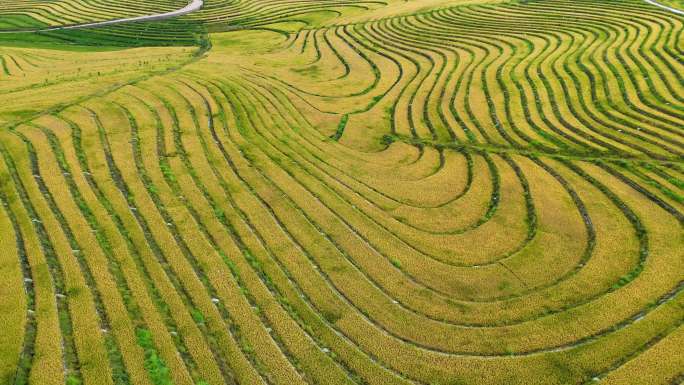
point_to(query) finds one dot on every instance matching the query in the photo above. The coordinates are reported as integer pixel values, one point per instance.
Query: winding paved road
(663, 6)
(193, 6)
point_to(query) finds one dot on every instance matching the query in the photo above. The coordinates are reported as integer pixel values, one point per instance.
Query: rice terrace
(341, 192)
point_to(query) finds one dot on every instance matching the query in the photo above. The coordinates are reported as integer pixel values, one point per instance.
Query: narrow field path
(193, 6)
(663, 6)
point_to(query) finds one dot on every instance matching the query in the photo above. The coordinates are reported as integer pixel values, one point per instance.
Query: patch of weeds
(155, 365)
(331, 316)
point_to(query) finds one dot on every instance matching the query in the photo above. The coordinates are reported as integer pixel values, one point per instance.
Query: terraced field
(358, 192)
(677, 5)
(15, 14)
